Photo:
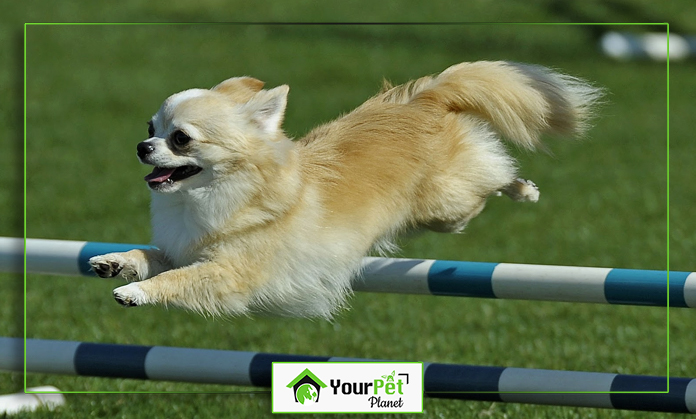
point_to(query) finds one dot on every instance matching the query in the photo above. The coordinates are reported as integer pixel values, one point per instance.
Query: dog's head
(199, 136)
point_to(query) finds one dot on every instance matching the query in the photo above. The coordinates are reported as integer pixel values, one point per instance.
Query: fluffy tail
(521, 101)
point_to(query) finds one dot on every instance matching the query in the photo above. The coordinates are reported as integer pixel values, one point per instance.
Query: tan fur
(239, 89)
(282, 226)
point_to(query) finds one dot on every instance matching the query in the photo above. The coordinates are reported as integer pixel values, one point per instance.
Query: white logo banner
(354, 387)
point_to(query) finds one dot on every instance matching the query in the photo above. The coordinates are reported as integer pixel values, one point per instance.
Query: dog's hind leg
(455, 223)
(522, 190)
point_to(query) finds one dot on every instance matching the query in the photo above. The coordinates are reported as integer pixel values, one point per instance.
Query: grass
(90, 90)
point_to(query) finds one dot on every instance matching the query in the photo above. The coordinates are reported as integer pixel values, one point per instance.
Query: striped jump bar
(513, 385)
(55, 257)
(528, 282)
(421, 276)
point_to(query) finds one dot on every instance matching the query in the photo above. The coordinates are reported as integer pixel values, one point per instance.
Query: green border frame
(26, 25)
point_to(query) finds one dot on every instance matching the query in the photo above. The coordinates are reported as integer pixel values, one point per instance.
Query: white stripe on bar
(51, 356)
(11, 254)
(521, 379)
(198, 365)
(549, 283)
(56, 257)
(398, 276)
(690, 396)
(690, 290)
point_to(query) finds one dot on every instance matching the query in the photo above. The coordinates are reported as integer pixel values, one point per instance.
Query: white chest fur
(173, 230)
(182, 219)
(179, 222)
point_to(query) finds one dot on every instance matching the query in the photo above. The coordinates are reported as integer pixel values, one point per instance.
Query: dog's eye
(150, 129)
(180, 139)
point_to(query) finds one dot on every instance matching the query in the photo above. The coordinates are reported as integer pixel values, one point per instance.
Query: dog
(246, 220)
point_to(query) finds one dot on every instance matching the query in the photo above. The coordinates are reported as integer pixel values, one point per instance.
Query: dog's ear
(267, 109)
(239, 89)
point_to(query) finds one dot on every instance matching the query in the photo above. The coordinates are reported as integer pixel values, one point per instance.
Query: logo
(306, 387)
(347, 387)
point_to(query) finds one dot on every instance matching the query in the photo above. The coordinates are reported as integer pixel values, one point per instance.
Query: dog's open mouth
(169, 175)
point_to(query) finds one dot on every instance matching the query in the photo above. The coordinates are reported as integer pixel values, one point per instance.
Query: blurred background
(610, 200)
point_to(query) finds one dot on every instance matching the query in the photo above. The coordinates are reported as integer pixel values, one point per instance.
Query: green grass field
(604, 201)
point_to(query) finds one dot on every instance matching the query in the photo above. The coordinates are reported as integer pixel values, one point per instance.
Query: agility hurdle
(491, 280)
(421, 276)
(468, 382)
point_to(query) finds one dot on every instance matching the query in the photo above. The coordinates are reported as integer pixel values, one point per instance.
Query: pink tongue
(159, 174)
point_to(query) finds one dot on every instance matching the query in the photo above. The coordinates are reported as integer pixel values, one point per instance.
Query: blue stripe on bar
(674, 401)
(677, 281)
(261, 364)
(107, 360)
(91, 249)
(643, 287)
(468, 279)
(451, 381)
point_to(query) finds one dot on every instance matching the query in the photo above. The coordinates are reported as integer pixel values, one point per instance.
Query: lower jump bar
(423, 276)
(468, 382)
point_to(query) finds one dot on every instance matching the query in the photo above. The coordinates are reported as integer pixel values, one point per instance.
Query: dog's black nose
(144, 149)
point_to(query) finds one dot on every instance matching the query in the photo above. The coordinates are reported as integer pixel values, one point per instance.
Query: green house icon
(306, 387)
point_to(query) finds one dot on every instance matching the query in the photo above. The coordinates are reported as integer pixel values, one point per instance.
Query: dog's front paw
(130, 295)
(113, 264)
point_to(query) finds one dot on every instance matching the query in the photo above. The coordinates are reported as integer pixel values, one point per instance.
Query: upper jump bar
(422, 276)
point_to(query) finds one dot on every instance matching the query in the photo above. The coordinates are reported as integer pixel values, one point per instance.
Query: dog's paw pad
(130, 295)
(111, 265)
(106, 267)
